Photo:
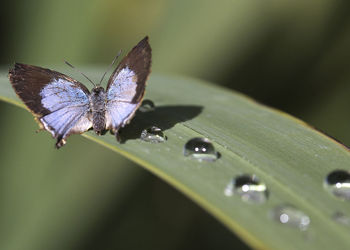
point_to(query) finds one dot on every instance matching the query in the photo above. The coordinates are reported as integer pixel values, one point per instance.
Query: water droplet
(201, 149)
(291, 216)
(153, 134)
(249, 188)
(341, 218)
(338, 184)
(146, 106)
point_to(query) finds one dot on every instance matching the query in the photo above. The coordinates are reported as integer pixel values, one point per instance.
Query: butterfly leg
(60, 142)
(117, 136)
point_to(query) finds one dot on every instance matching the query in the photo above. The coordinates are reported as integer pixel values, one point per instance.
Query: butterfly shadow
(163, 117)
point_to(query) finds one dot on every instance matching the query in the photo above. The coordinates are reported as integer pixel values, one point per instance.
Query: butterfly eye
(97, 90)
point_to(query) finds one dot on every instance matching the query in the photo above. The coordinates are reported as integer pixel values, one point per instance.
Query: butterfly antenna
(70, 65)
(115, 59)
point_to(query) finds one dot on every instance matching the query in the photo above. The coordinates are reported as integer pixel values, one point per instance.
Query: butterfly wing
(126, 86)
(59, 103)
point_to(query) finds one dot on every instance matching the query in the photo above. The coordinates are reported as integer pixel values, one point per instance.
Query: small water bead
(153, 134)
(341, 218)
(338, 184)
(291, 216)
(249, 188)
(146, 106)
(201, 149)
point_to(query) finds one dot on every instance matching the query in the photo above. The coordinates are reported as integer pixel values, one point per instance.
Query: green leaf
(291, 158)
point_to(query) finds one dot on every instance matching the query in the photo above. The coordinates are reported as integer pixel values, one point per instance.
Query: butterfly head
(98, 90)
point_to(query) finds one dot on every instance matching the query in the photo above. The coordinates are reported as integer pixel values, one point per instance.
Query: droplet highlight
(291, 216)
(153, 134)
(249, 188)
(146, 106)
(337, 183)
(200, 149)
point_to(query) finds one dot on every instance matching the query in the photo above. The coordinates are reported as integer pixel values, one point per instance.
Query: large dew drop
(153, 134)
(201, 149)
(249, 188)
(338, 184)
(291, 216)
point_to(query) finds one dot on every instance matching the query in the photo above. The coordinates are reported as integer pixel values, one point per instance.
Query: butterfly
(64, 106)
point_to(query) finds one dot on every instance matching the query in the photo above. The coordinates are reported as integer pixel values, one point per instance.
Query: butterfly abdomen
(98, 109)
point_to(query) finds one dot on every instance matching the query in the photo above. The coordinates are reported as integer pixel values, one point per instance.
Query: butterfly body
(98, 102)
(64, 106)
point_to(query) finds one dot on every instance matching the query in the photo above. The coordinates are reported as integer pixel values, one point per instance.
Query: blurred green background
(291, 55)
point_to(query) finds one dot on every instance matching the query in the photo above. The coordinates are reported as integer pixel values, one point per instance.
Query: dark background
(291, 55)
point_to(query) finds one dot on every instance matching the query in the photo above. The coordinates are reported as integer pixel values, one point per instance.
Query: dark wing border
(138, 60)
(28, 81)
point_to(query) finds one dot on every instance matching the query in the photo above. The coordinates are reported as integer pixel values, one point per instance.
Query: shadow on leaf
(164, 117)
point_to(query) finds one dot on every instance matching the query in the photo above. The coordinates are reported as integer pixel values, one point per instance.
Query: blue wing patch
(118, 114)
(120, 94)
(61, 93)
(123, 87)
(69, 109)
